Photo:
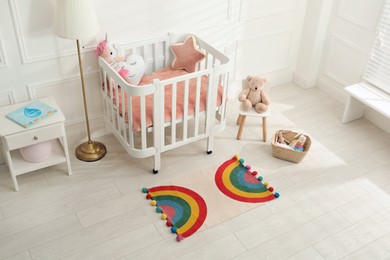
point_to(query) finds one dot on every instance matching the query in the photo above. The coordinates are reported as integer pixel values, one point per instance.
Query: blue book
(31, 113)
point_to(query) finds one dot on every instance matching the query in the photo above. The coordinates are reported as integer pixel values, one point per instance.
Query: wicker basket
(288, 154)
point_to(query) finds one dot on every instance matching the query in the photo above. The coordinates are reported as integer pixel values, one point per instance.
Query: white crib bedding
(164, 74)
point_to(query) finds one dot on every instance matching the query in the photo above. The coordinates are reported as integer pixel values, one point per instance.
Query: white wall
(350, 35)
(261, 36)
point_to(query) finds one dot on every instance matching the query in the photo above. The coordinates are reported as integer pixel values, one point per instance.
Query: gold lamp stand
(89, 151)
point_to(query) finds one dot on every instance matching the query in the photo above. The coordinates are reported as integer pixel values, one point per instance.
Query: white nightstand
(14, 136)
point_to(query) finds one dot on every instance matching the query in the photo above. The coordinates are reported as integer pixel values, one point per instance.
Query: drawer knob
(35, 137)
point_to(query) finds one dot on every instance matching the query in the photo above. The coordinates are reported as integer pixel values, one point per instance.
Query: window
(378, 68)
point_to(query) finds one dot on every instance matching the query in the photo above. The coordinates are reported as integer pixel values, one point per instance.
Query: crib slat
(166, 54)
(108, 99)
(143, 122)
(148, 57)
(209, 115)
(155, 50)
(197, 104)
(112, 102)
(130, 120)
(122, 120)
(224, 93)
(185, 112)
(158, 122)
(104, 93)
(173, 125)
(117, 108)
(159, 119)
(205, 62)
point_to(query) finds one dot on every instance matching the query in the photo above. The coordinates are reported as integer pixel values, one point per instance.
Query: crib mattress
(163, 74)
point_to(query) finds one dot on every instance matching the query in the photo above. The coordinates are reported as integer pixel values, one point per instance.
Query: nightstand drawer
(33, 136)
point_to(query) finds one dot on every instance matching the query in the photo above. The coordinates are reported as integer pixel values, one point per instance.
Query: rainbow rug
(237, 181)
(199, 200)
(183, 209)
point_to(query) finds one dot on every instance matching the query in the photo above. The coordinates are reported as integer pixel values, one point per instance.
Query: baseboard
(302, 82)
(279, 77)
(76, 131)
(332, 90)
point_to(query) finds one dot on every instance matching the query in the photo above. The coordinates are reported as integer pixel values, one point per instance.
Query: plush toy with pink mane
(107, 51)
(131, 68)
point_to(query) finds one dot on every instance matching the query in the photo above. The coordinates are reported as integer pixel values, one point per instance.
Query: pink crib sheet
(163, 74)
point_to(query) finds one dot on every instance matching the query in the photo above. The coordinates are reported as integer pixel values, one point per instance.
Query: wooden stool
(252, 113)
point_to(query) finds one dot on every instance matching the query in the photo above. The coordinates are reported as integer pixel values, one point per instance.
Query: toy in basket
(290, 146)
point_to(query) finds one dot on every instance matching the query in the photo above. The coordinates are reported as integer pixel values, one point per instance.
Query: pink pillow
(187, 55)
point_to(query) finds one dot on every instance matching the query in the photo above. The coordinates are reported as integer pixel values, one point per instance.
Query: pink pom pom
(248, 167)
(179, 238)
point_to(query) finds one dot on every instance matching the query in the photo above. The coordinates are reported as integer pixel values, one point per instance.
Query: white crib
(159, 136)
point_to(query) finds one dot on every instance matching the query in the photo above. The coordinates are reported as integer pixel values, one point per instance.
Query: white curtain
(378, 68)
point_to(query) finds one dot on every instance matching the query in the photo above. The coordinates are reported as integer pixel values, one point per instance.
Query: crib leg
(157, 163)
(210, 142)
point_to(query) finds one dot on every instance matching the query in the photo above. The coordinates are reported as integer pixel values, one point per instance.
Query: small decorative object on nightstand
(49, 133)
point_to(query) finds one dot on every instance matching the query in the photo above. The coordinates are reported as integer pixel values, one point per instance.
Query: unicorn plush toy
(131, 68)
(106, 50)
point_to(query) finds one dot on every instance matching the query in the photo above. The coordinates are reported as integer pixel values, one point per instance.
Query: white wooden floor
(333, 205)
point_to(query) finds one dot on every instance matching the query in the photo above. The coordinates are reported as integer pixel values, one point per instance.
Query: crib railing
(155, 52)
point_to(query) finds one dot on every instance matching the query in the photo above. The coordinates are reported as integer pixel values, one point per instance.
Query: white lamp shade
(75, 19)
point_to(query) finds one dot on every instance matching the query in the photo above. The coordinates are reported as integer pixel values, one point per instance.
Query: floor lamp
(76, 19)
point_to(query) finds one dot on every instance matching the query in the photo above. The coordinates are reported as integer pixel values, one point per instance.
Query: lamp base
(90, 151)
